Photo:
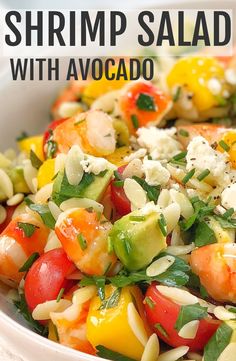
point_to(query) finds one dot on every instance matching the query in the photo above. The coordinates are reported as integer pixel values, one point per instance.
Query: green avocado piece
(137, 242)
(17, 177)
(91, 186)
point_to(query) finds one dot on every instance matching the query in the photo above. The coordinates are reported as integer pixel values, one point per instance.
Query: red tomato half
(47, 276)
(165, 312)
(49, 131)
(10, 211)
(118, 196)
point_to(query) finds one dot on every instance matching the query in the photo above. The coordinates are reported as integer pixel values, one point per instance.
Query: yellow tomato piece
(110, 327)
(230, 139)
(194, 73)
(32, 143)
(96, 88)
(118, 156)
(46, 172)
(52, 333)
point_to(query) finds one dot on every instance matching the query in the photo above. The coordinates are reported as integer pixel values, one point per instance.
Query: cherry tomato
(118, 196)
(49, 131)
(165, 313)
(10, 211)
(143, 103)
(47, 276)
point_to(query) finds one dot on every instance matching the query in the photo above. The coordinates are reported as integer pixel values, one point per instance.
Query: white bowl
(25, 106)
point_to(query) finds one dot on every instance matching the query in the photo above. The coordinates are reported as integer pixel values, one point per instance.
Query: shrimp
(211, 132)
(93, 131)
(215, 264)
(22, 237)
(84, 238)
(142, 103)
(71, 325)
(70, 94)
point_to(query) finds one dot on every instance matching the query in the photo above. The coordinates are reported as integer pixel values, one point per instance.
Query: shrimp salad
(118, 223)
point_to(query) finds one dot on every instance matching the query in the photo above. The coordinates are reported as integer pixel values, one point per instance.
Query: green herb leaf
(26, 266)
(226, 223)
(203, 175)
(51, 148)
(22, 136)
(228, 213)
(224, 145)
(22, 307)
(188, 176)
(82, 241)
(98, 281)
(152, 191)
(190, 313)
(44, 212)
(135, 121)
(112, 301)
(60, 294)
(35, 161)
(149, 302)
(111, 355)
(162, 225)
(204, 235)
(146, 102)
(184, 133)
(218, 342)
(177, 94)
(180, 156)
(161, 329)
(63, 190)
(137, 218)
(27, 228)
(118, 183)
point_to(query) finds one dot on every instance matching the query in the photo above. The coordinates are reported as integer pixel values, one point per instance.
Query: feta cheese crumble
(140, 153)
(201, 156)
(155, 173)
(160, 143)
(95, 165)
(228, 197)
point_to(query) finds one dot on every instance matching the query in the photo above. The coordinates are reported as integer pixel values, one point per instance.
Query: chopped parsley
(44, 212)
(111, 355)
(152, 191)
(203, 175)
(146, 102)
(137, 218)
(82, 241)
(149, 302)
(60, 294)
(161, 329)
(35, 161)
(111, 301)
(135, 121)
(224, 145)
(162, 225)
(218, 342)
(184, 133)
(27, 265)
(22, 136)
(27, 228)
(118, 183)
(177, 94)
(190, 313)
(188, 176)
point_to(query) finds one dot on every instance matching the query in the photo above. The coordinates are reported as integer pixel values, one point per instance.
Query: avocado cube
(137, 239)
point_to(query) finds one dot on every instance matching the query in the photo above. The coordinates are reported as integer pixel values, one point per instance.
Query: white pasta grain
(186, 207)
(174, 354)
(135, 193)
(172, 215)
(60, 162)
(16, 199)
(224, 315)
(54, 209)
(195, 356)
(81, 203)
(84, 294)
(73, 168)
(43, 310)
(3, 214)
(164, 198)
(44, 194)
(180, 250)
(178, 295)
(228, 354)
(189, 330)
(6, 184)
(136, 324)
(134, 168)
(152, 349)
(160, 265)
